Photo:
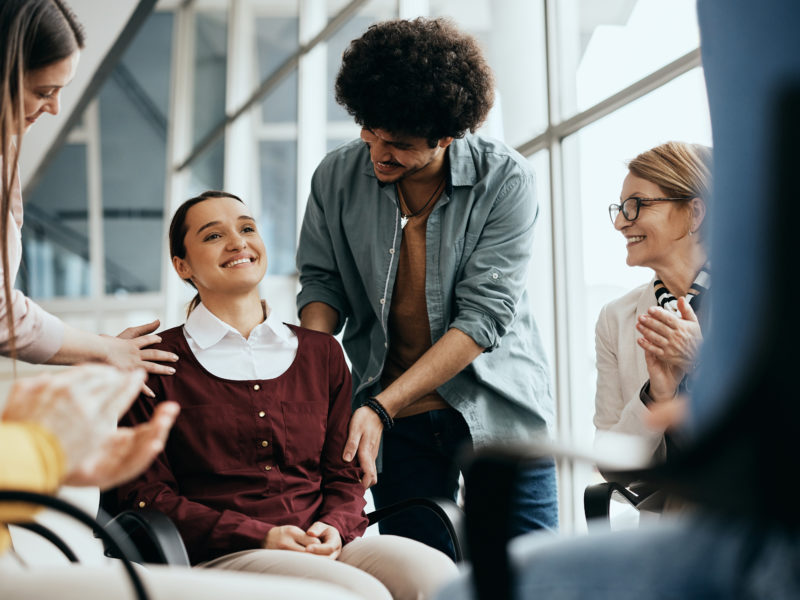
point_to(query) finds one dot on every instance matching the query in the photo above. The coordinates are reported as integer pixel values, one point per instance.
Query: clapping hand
(674, 339)
(81, 406)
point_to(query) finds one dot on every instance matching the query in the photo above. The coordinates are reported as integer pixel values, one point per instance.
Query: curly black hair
(421, 78)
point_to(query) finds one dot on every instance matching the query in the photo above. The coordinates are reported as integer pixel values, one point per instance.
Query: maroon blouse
(245, 456)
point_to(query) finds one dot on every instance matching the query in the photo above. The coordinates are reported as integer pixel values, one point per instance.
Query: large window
(92, 221)
(229, 94)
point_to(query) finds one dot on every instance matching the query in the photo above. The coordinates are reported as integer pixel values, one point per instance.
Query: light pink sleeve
(38, 334)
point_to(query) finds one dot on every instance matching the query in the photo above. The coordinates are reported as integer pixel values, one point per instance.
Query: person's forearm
(319, 317)
(79, 347)
(443, 361)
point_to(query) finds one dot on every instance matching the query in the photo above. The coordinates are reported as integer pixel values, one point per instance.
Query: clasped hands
(320, 539)
(671, 344)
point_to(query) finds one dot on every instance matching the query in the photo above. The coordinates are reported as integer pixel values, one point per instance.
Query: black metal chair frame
(113, 537)
(159, 542)
(597, 500)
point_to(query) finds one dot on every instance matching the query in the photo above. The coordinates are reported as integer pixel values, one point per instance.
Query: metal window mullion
(94, 178)
(409, 9)
(636, 90)
(311, 104)
(107, 305)
(240, 144)
(178, 143)
(559, 266)
(272, 81)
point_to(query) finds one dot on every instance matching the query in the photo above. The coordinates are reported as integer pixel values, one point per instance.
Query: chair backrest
(121, 547)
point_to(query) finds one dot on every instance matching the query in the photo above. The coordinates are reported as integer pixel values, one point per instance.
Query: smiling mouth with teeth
(635, 238)
(239, 261)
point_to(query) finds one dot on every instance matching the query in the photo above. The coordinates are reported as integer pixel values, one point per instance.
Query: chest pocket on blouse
(305, 424)
(206, 439)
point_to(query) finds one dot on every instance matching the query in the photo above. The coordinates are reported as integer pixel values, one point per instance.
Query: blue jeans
(419, 459)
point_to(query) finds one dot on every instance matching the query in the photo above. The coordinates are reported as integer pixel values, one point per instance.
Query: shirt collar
(462, 163)
(206, 329)
(277, 326)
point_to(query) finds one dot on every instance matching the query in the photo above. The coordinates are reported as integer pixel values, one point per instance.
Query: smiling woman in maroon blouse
(252, 473)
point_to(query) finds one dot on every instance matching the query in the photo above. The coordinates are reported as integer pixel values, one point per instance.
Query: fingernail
(174, 357)
(171, 371)
(348, 457)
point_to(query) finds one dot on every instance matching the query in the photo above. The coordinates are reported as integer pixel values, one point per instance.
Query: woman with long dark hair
(41, 42)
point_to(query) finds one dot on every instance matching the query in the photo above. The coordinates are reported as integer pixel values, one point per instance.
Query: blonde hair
(681, 170)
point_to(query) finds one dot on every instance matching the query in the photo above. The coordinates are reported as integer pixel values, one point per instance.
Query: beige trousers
(162, 583)
(378, 567)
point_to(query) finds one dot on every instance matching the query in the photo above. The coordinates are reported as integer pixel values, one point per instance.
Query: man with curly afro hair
(417, 240)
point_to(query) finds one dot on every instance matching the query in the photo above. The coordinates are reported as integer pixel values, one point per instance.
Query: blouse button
(262, 414)
(495, 276)
(383, 301)
(391, 250)
(268, 468)
(256, 387)
(264, 444)
(142, 504)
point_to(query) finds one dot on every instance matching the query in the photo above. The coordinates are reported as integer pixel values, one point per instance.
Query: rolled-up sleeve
(320, 278)
(495, 274)
(38, 335)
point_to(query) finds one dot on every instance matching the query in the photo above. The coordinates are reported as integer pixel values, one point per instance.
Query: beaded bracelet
(386, 419)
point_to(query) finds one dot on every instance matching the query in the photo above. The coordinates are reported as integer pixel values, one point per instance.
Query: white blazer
(622, 370)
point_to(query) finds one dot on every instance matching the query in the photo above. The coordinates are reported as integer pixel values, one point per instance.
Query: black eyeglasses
(630, 207)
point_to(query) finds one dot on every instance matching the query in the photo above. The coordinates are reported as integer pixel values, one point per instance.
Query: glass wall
(577, 94)
(607, 45)
(133, 113)
(56, 238)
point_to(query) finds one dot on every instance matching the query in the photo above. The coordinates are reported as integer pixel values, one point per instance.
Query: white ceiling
(103, 20)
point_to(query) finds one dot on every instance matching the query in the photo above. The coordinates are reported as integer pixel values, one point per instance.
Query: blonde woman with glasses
(647, 341)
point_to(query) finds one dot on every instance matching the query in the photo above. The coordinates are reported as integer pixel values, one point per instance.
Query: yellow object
(31, 459)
